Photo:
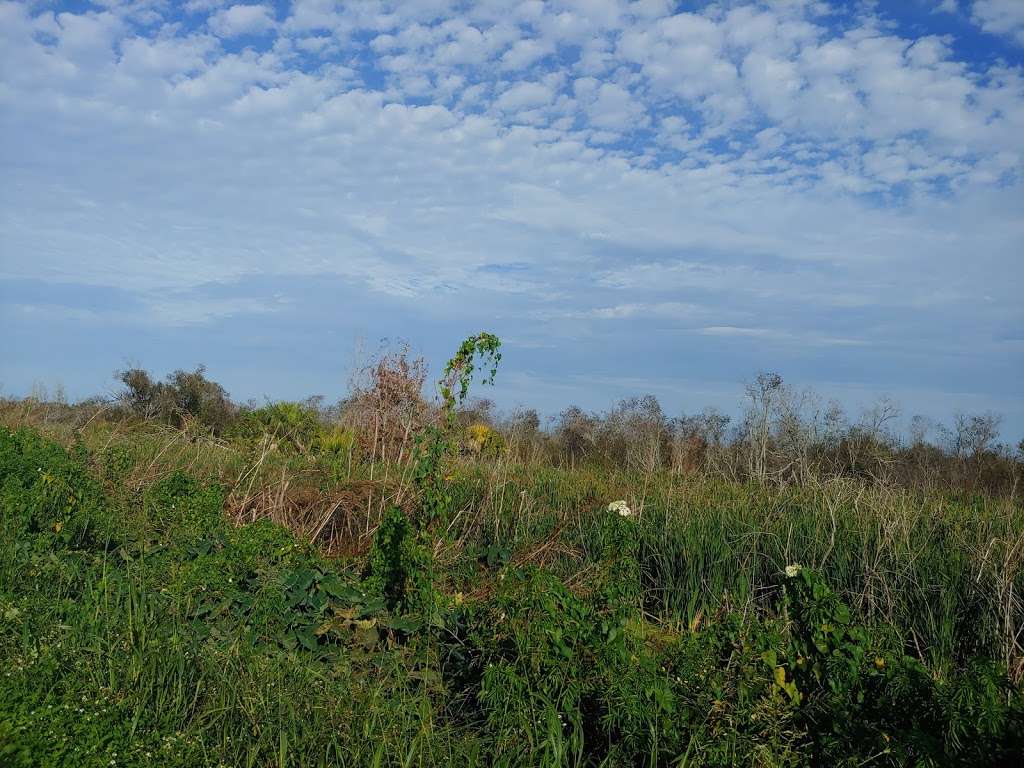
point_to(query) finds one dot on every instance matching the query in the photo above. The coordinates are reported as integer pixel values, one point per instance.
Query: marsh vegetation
(406, 580)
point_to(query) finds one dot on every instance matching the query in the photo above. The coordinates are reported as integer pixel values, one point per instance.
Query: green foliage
(481, 349)
(186, 399)
(146, 629)
(860, 695)
(291, 426)
(337, 443)
(47, 493)
(482, 440)
(400, 565)
(180, 507)
(435, 445)
(401, 560)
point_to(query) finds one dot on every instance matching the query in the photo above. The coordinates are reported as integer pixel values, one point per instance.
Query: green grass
(139, 625)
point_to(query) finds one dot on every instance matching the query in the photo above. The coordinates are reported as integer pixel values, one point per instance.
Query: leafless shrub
(386, 405)
(635, 434)
(698, 441)
(762, 394)
(575, 431)
(522, 430)
(974, 434)
(478, 410)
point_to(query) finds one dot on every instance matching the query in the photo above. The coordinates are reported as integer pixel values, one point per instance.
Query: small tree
(762, 393)
(185, 397)
(975, 434)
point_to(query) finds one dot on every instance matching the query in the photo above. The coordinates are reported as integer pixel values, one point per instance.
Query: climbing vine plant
(436, 444)
(401, 562)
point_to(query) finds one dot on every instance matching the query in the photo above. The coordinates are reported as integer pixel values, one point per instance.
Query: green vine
(459, 370)
(401, 563)
(436, 444)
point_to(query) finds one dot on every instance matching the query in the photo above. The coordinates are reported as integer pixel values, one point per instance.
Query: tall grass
(146, 619)
(944, 570)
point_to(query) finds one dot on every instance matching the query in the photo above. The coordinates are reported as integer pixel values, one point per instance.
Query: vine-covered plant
(435, 445)
(400, 565)
(459, 370)
(401, 562)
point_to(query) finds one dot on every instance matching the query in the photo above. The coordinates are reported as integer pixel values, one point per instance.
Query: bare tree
(920, 426)
(975, 434)
(387, 407)
(698, 440)
(635, 434)
(762, 394)
(575, 430)
(876, 421)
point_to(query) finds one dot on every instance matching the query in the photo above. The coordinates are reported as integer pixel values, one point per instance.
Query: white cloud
(1000, 17)
(141, 56)
(523, 96)
(609, 105)
(525, 52)
(242, 20)
(736, 170)
(775, 335)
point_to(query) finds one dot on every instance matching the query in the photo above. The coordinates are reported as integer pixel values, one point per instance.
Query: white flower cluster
(793, 570)
(620, 507)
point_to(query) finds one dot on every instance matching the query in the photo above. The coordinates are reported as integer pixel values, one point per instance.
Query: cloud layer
(827, 189)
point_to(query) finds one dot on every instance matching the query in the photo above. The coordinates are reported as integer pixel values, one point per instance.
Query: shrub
(48, 492)
(859, 695)
(291, 426)
(482, 440)
(185, 399)
(386, 408)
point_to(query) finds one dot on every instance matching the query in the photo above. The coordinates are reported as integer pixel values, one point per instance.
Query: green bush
(291, 426)
(186, 399)
(49, 494)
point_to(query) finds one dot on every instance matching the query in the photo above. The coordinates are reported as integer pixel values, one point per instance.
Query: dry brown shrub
(387, 407)
(340, 522)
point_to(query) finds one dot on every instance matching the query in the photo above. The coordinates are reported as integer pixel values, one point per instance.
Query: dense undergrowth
(149, 630)
(169, 600)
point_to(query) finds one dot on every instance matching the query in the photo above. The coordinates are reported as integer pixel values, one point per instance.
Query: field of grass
(173, 600)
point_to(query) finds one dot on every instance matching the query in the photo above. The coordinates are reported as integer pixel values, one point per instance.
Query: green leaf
(307, 638)
(405, 624)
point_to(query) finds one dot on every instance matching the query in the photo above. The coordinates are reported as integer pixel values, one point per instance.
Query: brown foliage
(386, 407)
(340, 521)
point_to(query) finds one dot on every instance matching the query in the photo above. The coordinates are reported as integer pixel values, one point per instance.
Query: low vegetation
(392, 581)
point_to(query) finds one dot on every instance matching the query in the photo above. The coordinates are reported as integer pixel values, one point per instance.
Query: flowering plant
(621, 508)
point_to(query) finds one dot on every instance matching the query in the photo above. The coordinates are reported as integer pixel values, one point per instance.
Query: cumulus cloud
(524, 95)
(241, 20)
(1000, 17)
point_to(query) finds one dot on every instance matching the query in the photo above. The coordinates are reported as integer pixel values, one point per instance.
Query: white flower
(621, 507)
(792, 571)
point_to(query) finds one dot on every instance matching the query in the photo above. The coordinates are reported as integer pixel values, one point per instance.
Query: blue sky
(636, 196)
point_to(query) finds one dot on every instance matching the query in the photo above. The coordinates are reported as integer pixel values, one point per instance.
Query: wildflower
(792, 571)
(621, 508)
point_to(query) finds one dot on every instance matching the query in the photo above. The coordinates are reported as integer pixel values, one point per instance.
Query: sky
(637, 197)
